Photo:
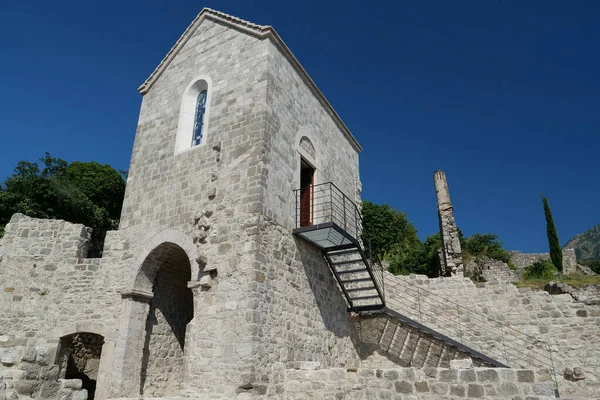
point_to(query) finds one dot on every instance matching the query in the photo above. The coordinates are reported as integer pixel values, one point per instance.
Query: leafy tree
(80, 192)
(102, 184)
(553, 242)
(486, 245)
(385, 229)
(542, 269)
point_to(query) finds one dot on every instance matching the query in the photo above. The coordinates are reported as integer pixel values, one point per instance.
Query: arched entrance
(79, 358)
(171, 308)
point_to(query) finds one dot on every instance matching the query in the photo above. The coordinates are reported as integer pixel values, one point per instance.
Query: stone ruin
(451, 253)
(217, 285)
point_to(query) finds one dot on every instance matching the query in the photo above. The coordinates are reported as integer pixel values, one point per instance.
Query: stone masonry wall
(523, 260)
(485, 316)
(171, 309)
(301, 309)
(493, 270)
(409, 383)
(47, 288)
(208, 195)
(166, 189)
(295, 112)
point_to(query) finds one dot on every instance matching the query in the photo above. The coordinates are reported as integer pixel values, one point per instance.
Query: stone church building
(238, 269)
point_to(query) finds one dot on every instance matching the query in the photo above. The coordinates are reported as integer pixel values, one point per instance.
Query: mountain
(586, 244)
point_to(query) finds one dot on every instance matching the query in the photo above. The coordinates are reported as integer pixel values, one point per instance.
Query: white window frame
(187, 114)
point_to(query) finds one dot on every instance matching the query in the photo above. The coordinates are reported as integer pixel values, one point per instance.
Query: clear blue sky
(502, 95)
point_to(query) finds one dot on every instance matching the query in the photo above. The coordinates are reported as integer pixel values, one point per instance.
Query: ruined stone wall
(47, 289)
(492, 270)
(523, 260)
(483, 316)
(451, 259)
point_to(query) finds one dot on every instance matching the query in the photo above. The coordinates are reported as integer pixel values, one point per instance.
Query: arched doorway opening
(170, 310)
(79, 358)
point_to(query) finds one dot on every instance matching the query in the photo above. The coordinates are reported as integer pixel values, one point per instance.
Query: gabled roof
(261, 32)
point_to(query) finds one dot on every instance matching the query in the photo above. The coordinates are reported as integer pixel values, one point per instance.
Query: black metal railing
(324, 203)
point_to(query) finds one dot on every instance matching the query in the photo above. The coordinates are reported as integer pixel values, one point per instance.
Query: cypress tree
(555, 249)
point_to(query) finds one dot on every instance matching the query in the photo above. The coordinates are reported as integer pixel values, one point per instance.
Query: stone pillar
(451, 260)
(125, 377)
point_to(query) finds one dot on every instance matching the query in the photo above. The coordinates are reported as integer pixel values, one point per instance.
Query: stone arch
(142, 276)
(156, 313)
(78, 357)
(306, 144)
(170, 311)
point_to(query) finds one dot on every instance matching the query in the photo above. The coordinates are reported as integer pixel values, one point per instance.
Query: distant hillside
(586, 244)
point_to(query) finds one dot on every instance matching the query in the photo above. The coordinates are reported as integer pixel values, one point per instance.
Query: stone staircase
(402, 341)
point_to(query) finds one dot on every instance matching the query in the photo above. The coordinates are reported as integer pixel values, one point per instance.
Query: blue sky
(502, 95)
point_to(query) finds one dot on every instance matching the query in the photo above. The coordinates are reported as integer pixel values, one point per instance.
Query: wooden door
(307, 175)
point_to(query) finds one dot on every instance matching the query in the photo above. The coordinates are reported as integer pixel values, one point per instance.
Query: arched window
(200, 111)
(194, 115)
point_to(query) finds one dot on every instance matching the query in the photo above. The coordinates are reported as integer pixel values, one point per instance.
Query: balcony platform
(328, 236)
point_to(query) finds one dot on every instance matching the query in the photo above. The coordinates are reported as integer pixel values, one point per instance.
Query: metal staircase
(328, 219)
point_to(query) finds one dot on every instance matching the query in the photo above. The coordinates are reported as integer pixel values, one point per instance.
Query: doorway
(307, 177)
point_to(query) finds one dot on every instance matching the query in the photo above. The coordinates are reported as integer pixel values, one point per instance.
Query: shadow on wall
(170, 311)
(327, 295)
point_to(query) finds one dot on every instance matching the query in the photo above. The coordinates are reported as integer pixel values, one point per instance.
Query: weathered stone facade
(451, 257)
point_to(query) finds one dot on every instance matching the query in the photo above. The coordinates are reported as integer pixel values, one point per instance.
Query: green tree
(484, 245)
(553, 242)
(87, 193)
(385, 229)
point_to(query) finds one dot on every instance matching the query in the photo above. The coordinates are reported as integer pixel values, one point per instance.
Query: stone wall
(522, 260)
(171, 309)
(48, 290)
(301, 309)
(492, 270)
(409, 383)
(484, 316)
(294, 112)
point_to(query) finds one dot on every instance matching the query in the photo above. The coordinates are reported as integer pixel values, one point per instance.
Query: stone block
(525, 376)
(468, 375)
(508, 389)
(75, 384)
(487, 375)
(439, 388)
(404, 387)
(475, 390)
(461, 364)
(448, 375)
(421, 387)
(457, 390)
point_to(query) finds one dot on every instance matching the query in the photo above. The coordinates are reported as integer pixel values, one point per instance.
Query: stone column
(451, 260)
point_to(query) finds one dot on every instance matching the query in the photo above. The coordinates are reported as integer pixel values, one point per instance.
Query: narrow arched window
(199, 123)
(194, 118)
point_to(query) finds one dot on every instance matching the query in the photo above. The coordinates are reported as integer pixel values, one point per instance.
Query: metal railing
(487, 335)
(325, 202)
